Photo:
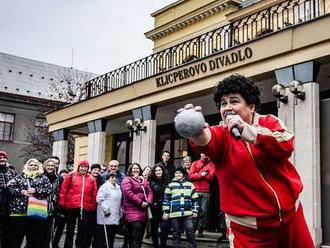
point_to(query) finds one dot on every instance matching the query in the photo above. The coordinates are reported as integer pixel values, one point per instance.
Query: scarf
(31, 174)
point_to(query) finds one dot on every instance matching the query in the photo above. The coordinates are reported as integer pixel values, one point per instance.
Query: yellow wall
(178, 10)
(81, 148)
(200, 27)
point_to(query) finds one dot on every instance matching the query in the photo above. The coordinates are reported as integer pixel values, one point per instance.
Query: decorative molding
(190, 19)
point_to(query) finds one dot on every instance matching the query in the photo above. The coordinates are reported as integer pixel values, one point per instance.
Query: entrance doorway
(325, 169)
(122, 151)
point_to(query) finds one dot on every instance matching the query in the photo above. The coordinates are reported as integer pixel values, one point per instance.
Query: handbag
(37, 209)
(148, 208)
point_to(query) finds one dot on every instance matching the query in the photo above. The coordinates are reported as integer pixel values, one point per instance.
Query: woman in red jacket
(78, 197)
(259, 187)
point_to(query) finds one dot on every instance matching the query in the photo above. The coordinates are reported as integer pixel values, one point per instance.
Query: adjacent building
(28, 88)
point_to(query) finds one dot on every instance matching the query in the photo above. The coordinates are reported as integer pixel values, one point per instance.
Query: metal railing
(253, 26)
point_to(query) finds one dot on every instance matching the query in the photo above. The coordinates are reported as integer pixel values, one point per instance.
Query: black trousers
(84, 238)
(136, 232)
(3, 230)
(59, 224)
(95, 232)
(48, 231)
(20, 227)
(110, 231)
(155, 224)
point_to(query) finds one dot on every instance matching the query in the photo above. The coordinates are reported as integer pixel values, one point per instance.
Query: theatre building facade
(283, 45)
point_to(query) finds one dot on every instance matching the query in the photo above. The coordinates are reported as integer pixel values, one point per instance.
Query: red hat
(83, 162)
(3, 154)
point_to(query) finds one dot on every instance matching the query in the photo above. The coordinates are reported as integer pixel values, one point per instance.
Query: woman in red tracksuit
(78, 197)
(259, 186)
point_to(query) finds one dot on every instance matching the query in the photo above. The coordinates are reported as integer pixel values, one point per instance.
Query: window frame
(12, 128)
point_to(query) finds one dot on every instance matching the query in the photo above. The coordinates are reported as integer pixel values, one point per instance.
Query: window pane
(9, 118)
(177, 162)
(180, 148)
(6, 117)
(2, 129)
(6, 131)
(121, 155)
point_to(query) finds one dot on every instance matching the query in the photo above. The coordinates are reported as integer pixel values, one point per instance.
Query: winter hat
(3, 154)
(179, 168)
(83, 162)
(95, 166)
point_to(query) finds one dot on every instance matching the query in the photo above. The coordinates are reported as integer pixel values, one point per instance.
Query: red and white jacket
(202, 184)
(259, 186)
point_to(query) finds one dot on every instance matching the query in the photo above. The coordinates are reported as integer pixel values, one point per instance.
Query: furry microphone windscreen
(189, 123)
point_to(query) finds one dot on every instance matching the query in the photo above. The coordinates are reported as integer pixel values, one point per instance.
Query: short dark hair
(129, 171)
(166, 151)
(63, 171)
(108, 175)
(237, 83)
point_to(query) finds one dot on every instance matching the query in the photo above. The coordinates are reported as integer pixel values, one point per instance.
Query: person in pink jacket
(137, 198)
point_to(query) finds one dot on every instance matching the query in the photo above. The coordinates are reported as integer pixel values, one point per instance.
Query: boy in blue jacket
(180, 205)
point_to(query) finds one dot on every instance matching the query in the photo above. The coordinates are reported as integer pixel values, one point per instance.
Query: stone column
(96, 141)
(60, 147)
(286, 114)
(144, 142)
(302, 116)
(307, 160)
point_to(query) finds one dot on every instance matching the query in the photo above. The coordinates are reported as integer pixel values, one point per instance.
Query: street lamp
(136, 126)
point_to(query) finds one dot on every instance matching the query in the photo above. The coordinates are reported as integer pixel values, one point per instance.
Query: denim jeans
(204, 201)
(188, 225)
(165, 227)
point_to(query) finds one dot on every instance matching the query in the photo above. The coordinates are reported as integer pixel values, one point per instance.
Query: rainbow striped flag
(37, 208)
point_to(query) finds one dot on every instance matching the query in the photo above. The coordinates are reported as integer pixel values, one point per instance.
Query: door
(325, 169)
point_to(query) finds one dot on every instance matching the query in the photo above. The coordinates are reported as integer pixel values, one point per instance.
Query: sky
(91, 35)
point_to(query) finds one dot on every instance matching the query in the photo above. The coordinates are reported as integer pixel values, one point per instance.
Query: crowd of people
(248, 152)
(40, 202)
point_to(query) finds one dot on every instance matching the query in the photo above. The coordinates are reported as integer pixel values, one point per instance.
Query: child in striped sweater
(180, 205)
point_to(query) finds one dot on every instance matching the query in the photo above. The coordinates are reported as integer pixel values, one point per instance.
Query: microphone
(234, 131)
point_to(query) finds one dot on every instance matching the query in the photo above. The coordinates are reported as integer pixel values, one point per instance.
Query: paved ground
(209, 242)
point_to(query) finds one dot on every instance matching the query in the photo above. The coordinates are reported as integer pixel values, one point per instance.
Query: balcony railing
(253, 26)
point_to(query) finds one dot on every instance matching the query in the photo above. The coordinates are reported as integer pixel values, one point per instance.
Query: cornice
(253, 8)
(191, 18)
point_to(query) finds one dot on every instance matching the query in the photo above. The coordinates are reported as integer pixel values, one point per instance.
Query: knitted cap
(95, 166)
(179, 168)
(3, 154)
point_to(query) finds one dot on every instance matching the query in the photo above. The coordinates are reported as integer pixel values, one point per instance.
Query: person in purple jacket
(137, 197)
